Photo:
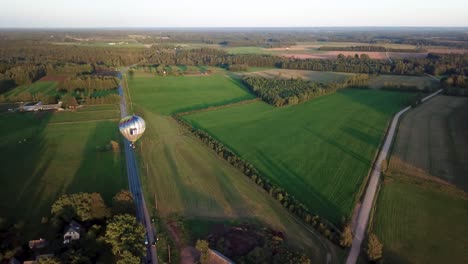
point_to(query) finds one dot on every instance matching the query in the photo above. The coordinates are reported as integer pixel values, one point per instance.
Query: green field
(418, 223)
(45, 87)
(187, 178)
(319, 151)
(170, 94)
(247, 50)
(40, 160)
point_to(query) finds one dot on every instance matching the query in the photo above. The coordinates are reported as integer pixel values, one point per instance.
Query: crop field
(319, 151)
(183, 176)
(420, 82)
(318, 76)
(433, 142)
(45, 87)
(42, 159)
(170, 94)
(418, 223)
(422, 208)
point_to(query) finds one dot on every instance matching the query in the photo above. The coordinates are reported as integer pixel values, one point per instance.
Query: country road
(359, 229)
(135, 186)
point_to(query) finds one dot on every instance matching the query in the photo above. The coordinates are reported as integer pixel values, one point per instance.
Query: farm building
(72, 232)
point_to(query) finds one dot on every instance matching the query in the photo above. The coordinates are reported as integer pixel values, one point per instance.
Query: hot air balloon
(132, 128)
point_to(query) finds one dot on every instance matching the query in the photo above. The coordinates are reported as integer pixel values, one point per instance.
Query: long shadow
(102, 169)
(22, 167)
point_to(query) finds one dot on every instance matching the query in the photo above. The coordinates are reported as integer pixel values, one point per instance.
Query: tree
(346, 237)
(128, 258)
(48, 260)
(82, 206)
(374, 248)
(69, 101)
(203, 247)
(124, 233)
(123, 203)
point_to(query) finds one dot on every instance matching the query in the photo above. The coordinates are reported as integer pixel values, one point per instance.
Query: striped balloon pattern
(132, 127)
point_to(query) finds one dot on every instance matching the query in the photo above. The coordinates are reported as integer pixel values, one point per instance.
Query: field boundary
(217, 107)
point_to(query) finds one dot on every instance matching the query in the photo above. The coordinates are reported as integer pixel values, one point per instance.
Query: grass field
(170, 94)
(189, 179)
(317, 76)
(418, 223)
(319, 151)
(41, 159)
(45, 87)
(419, 81)
(419, 218)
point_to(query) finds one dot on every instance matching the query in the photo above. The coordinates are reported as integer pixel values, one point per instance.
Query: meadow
(419, 223)
(182, 176)
(316, 76)
(45, 87)
(171, 94)
(319, 151)
(42, 159)
(422, 209)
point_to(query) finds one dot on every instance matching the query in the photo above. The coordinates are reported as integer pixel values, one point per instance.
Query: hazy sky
(234, 13)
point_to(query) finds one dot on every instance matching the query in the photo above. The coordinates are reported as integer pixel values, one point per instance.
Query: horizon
(242, 14)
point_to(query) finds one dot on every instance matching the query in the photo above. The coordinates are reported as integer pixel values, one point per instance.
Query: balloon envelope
(132, 127)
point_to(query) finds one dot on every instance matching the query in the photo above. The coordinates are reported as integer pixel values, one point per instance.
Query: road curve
(359, 230)
(135, 186)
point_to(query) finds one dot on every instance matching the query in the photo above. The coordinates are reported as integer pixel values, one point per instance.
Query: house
(39, 243)
(72, 232)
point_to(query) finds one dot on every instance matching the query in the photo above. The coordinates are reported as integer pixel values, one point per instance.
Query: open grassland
(317, 76)
(419, 223)
(182, 176)
(41, 160)
(44, 87)
(433, 142)
(170, 94)
(421, 82)
(319, 151)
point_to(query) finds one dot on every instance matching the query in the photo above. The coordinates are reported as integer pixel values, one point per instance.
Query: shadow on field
(101, 169)
(23, 161)
(365, 97)
(321, 205)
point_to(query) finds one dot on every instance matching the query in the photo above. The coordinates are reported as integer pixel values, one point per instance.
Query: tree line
(281, 92)
(88, 83)
(288, 201)
(371, 49)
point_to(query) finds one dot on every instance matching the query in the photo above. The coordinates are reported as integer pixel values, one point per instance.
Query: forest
(281, 92)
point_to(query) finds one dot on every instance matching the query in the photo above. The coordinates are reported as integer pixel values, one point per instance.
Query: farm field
(433, 142)
(420, 82)
(41, 160)
(45, 87)
(421, 223)
(318, 76)
(170, 94)
(319, 151)
(422, 208)
(191, 180)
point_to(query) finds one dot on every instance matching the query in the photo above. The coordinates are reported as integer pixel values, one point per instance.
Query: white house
(72, 232)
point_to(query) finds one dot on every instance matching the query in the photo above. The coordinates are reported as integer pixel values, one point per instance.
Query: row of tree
(288, 201)
(88, 83)
(280, 92)
(371, 49)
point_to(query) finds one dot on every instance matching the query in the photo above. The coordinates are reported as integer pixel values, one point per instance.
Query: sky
(234, 13)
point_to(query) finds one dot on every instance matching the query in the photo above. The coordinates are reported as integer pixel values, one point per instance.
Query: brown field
(56, 78)
(433, 142)
(447, 50)
(317, 76)
(420, 81)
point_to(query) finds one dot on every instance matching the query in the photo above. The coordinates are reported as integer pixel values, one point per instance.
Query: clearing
(319, 151)
(317, 76)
